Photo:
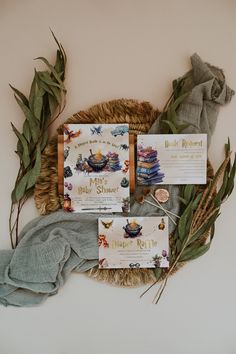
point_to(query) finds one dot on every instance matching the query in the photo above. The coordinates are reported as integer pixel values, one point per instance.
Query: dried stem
(14, 228)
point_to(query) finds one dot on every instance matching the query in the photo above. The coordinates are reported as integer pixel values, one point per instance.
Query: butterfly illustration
(107, 225)
(96, 130)
(70, 134)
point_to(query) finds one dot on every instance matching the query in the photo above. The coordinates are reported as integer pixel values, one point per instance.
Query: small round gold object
(162, 195)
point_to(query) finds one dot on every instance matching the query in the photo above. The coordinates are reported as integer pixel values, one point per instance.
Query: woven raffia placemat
(140, 116)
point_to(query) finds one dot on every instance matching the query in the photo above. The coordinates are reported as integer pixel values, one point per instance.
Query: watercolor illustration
(135, 242)
(96, 164)
(132, 229)
(120, 130)
(148, 166)
(70, 134)
(96, 130)
(171, 159)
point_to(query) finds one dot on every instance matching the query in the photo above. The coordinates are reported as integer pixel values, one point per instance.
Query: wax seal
(162, 195)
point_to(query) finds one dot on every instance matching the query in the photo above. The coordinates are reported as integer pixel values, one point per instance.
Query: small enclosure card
(171, 159)
(135, 242)
(96, 167)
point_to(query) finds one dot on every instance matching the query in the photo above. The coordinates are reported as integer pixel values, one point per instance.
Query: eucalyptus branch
(46, 101)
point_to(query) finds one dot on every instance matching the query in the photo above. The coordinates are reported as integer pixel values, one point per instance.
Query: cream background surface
(115, 49)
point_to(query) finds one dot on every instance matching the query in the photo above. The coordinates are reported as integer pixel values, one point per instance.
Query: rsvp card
(171, 159)
(134, 242)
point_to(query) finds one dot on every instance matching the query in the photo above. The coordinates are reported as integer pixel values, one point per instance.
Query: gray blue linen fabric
(53, 246)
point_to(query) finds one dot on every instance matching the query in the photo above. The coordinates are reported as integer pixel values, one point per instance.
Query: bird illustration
(70, 134)
(107, 225)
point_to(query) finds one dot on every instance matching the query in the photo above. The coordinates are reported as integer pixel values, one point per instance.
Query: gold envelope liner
(60, 150)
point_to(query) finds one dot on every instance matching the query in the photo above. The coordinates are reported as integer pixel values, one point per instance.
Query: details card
(96, 167)
(135, 242)
(171, 159)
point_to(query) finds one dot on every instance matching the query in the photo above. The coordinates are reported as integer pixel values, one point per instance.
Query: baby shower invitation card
(96, 168)
(171, 159)
(134, 242)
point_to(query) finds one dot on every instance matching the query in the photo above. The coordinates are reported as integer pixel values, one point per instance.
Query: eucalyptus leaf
(42, 84)
(52, 105)
(54, 72)
(44, 140)
(194, 253)
(212, 232)
(32, 94)
(57, 94)
(34, 172)
(174, 84)
(45, 113)
(182, 225)
(230, 184)
(219, 196)
(61, 49)
(185, 202)
(171, 126)
(164, 127)
(25, 152)
(20, 95)
(196, 201)
(172, 115)
(38, 103)
(178, 245)
(45, 77)
(189, 221)
(13, 196)
(168, 115)
(179, 100)
(189, 192)
(20, 188)
(19, 148)
(59, 65)
(182, 127)
(26, 131)
(34, 127)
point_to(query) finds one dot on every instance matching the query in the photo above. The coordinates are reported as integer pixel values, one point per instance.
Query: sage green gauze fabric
(50, 248)
(53, 246)
(207, 93)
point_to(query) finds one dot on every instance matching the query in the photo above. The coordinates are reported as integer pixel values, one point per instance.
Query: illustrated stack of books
(148, 167)
(113, 161)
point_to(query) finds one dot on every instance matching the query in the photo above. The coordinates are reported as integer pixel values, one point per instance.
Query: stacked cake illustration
(148, 166)
(113, 161)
